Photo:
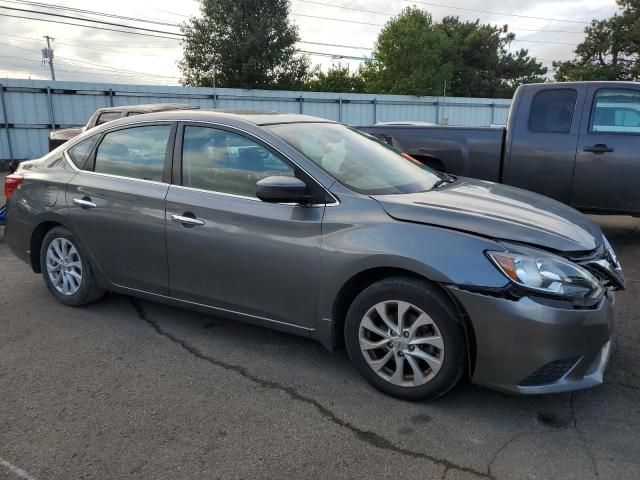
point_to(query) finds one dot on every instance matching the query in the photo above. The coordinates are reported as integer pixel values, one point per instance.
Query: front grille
(551, 372)
(605, 268)
(605, 271)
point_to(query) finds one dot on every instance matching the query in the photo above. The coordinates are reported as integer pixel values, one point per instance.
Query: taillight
(11, 182)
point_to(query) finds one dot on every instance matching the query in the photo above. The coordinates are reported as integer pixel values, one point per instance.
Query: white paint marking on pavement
(15, 470)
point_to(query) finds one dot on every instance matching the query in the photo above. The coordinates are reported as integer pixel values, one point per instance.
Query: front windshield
(356, 160)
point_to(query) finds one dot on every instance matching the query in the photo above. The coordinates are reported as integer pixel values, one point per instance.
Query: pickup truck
(576, 142)
(104, 115)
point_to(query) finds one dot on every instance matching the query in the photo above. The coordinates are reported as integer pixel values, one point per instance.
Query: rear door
(542, 138)
(228, 249)
(608, 159)
(117, 202)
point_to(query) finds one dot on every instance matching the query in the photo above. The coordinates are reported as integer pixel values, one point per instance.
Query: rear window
(552, 111)
(107, 117)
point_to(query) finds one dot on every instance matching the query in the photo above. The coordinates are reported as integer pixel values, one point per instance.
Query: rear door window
(552, 111)
(616, 111)
(137, 152)
(107, 117)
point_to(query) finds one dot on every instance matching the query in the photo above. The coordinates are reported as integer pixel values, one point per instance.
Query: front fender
(359, 236)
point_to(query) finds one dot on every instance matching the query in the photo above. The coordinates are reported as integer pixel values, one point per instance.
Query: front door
(117, 205)
(608, 154)
(228, 249)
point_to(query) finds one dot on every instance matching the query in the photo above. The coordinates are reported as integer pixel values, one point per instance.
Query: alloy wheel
(64, 266)
(401, 343)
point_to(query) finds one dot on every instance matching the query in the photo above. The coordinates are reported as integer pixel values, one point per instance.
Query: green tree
(408, 56)
(416, 56)
(248, 44)
(482, 65)
(610, 50)
(337, 79)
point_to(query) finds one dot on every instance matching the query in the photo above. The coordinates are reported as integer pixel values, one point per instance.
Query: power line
(345, 8)
(108, 67)
(89, 68)
(337, 19)
(89, 12)
(85, 26)
(335, 45)
(102, 22)
(333, 55)
(496, 13)
(342, 7)
(181, 35)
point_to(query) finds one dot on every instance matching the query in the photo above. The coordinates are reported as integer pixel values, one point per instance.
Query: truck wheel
(406, 339)
(66, 269)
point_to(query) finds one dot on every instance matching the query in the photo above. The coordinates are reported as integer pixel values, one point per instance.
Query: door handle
(599, 148)
(186, 220)
(84, 203)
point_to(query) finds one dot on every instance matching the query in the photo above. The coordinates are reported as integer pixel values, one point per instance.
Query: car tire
(62, 255)
(430, 344)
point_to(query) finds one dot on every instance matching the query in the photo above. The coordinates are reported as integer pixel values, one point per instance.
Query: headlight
(547, 274)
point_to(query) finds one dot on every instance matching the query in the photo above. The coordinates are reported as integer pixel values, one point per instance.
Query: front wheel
(66, 269)
(406, 339)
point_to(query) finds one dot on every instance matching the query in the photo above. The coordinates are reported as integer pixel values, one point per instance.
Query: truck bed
(468, 151)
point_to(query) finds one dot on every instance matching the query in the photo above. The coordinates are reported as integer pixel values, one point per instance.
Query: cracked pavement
(127, 388)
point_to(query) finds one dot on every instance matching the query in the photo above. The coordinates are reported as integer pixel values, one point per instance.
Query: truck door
(607, 158)
(541, 139)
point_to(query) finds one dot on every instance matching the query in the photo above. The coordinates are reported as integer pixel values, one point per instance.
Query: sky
(85, 54)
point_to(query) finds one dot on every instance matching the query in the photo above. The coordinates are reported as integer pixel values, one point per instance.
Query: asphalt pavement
(125, 388)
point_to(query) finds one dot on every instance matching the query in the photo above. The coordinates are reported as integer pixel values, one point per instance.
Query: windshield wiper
(446, 178)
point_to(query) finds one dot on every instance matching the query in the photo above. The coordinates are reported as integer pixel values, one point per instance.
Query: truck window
(616, 111)
(107, 117)
(552, 110)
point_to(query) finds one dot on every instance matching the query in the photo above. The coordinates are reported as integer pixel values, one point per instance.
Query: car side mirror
(281, 189)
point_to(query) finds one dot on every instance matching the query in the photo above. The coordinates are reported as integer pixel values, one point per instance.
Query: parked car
(310, 227)
(104, 115)
(575, 142)
(107, 114)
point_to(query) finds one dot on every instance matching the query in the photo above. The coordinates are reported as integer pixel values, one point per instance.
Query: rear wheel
(66, 269)
(406, 339)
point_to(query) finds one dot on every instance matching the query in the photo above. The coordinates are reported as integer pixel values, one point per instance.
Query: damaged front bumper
(527, 346)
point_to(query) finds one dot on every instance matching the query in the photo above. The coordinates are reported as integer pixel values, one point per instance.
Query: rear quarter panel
(40, 198)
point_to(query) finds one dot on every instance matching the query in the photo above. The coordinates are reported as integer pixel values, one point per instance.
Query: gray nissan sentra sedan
(307, 226)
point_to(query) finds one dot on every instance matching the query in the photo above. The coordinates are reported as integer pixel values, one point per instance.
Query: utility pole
(47, 54)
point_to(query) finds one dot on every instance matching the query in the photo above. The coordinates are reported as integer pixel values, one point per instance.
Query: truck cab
(578, 143)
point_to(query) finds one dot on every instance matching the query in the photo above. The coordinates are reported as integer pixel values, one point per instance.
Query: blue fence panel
(34, 107)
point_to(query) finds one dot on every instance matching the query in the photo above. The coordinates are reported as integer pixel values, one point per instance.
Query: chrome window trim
(253, 199)
(335, 203)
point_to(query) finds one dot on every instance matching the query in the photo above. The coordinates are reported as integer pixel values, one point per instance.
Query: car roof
(597, 83)
(150, 107)
(255, 117)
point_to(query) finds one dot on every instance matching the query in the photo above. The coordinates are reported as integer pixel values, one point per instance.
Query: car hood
(497, 211)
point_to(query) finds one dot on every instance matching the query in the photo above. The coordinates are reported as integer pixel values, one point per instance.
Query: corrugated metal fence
(29, 109)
